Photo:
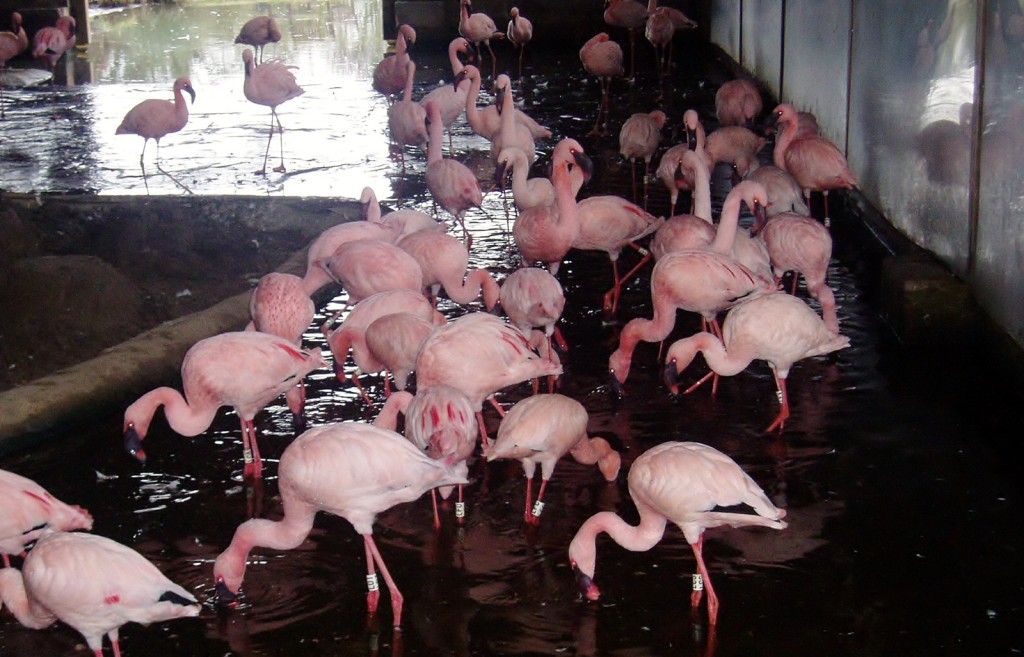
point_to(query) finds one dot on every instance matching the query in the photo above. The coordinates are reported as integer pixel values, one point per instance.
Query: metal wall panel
(762, 54)
(999, 253)
(725, 26)
(912, 93)
(817, 62)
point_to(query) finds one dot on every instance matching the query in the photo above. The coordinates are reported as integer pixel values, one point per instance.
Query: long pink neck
(435, 136)
(655, 329)
(782, 142)
(473, 116)
(720, 358)
(13, 594)
(410, 74)
(477, 281)
(397, 403)
(508, 117)
(453, 58)
(728, 223)
(185, 419)
(285, 534)
(701, 191)
(373, 210)
(643, 537)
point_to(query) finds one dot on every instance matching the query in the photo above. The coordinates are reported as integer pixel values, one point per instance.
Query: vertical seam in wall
(782, 52)
(974, 173)
(849, 78)
(740, 45)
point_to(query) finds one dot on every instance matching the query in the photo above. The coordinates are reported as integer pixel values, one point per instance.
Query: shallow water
(894, 468)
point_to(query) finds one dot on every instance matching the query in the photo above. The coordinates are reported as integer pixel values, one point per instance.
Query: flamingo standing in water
(407, 119)
(688, 231)
(390, 73)
(450, 182)
(638, 139)
(478, 28)
(511, 133)
(93, 584)
(671, 160)
(270, 84)
(280, 306)
(245, 370)
(602, 58)
(802, 245)
(542, 429)
(520, 33)
(393, 341)
(479, 354)
(659, 30)
(50, 43)
(352, 333)
(631, 15)
(735, 145)
(451, 98)
(546, 233)
(738, 102)
(155, 118)
(676, 19)
(784, 195)
(486, 122)
(441, 422)
(350, 470)
(27, 509)
(681, 483)
(533, 297)
(444, 261)
(815, 163)
(777, 328)
(526, 192)
(258, 32)
(609, 224)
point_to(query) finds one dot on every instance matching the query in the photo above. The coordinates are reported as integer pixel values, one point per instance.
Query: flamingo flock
(393, 268)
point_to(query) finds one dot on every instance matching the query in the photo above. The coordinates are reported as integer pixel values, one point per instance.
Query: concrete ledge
(925, 304)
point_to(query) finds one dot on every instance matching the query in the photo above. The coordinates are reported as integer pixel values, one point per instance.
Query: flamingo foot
(279, 169)
(372, 600)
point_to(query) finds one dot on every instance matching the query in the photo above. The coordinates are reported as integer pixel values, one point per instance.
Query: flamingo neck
(397, 403)
(782, 142)
(701, 192)
(410, 73)
(13, 594)
(472, 114)
(185, 419)
(373, 210)
(643, 537)
(722, 359)
(434, 137)
(453, 58)
(728, 223)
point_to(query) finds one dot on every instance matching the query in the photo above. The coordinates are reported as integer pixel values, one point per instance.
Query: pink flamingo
(609, 224)
(659, 30)
(270, 84)
(353, 331)
(631, 15)
(450, 182)
(486, 122)
(444, 261)
(681, 483)
(258, 32)
(440, 421)
(542, 429)
(702, 281)
(407, 119)
(404, 222)
(13, 42)
(350, 470)
(669, 167)
(478, 28)
(638, 139)
(533, 297)
(326, 243)
(390, 74)
(688, 231)
(50, 43)
(784, 195)
(393, 341)
(155, 118)
(510, 131)
(546, 233)
(280, 306)
(245, 370)
(738, 102)
(732, 240)
(93, 584)
(479, 354)
(777, 328)
(803, 245)
(735, 145)
(526, 192)
(26, 509)
(365, 267)
(815, 163)
(451, 98)
(602, 58)
(520, 33)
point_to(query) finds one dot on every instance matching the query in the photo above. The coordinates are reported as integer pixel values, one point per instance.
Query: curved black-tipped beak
(616, 385)
(583, 581)
(671, 377)
(735, 178)
(133, 444)
(584, 163)
(691, 139)
(224, 596)
(462, 75)
(499, 99)
(191, 92)
(499, 175)
(760, 218)
(680, 176)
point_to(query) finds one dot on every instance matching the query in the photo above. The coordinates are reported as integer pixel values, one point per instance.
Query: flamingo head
(184, 84)
(618, 367)
(585, 583)
(133, 441)
(408, 33)
(225, 597)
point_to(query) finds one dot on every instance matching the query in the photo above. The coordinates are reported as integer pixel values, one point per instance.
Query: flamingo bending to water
(27, 509)
(777, 328)
(681, 483)
(270, 84)
(533, 297)
(245, 370)
(393, 341)
(258, 32)
(93, 584)
(350, 470)
(330, 240)
(155, 118)
(366, 267)
(444, 261)
(542, 429)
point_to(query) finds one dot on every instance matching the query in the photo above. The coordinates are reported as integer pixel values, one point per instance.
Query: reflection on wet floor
(903, 534)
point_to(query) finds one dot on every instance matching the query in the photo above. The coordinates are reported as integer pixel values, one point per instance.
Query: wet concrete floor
(898, 471)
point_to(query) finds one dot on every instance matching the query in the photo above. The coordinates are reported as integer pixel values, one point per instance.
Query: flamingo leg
(373, 593)
(494, 60)
(529, 497)
(780, 421)
(396, 595)
(279, 168)
(560, 339)
(485, 440)
(533, 516)
(362, 391)
(632, 166)
(266, 153)
(827, 221)
(251, 451)
(698, 552)
(460, 507)
(522, 49)
(437, 516)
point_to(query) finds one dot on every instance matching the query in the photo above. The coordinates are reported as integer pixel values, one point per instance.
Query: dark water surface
(903, 501)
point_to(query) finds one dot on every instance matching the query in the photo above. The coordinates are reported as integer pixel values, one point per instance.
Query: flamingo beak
(616, 385)
(225, 598)
(191, 92)
(133, 443)
(671, 377)
(500, 99)
(584, 163)
(462, 75)
(499, 175)
(760, 218)
(691, 139)
(585, 584)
